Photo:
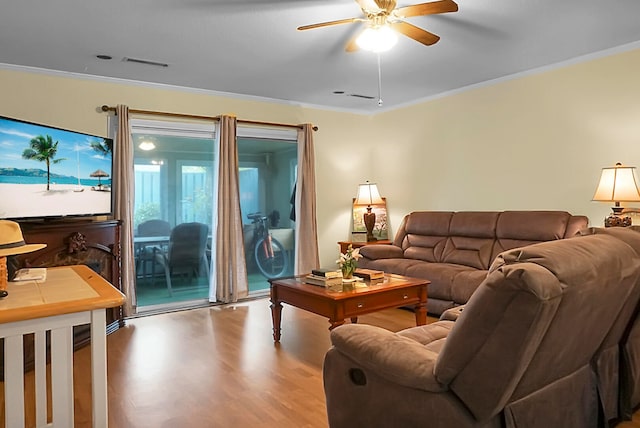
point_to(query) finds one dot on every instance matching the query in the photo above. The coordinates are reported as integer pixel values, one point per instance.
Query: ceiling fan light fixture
(146, 146)
(377, 39)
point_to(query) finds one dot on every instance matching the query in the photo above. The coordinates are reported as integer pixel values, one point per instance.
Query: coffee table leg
(276, 315)
(421, 315)
(335, 323)
(421, 308)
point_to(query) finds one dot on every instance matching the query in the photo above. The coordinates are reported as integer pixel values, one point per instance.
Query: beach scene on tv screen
(47, 172)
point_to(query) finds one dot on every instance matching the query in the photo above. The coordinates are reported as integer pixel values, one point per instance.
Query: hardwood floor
(218, 367)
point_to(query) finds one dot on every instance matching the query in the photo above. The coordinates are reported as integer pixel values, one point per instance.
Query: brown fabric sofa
(521, 354)
(455, 249)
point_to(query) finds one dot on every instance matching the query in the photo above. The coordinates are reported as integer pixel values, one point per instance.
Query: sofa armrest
(381, 251)
(452, 314)
(396, 358)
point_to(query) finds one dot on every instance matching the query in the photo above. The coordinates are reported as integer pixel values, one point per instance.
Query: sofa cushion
(425, 235)
(435, 223)
(426, 248)
(467, 251)
(465, 283)
(474, 224)
(441, 276)
(397, 266)
(520, 228)
(427, 334)
(532, 225)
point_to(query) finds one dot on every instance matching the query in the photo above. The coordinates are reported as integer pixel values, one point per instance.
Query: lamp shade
(368, 194)
(617, 184)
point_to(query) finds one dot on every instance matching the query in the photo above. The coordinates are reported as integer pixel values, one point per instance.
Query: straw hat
(12, 242)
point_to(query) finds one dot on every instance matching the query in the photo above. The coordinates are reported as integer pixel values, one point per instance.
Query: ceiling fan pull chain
(379, 82)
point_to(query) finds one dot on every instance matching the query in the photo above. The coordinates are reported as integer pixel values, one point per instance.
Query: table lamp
(617, 184)
(368, 195)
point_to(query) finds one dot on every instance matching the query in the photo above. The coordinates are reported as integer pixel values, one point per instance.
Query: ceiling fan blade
(352, 46)
(329, 23)
(432, 8)
(417, 34)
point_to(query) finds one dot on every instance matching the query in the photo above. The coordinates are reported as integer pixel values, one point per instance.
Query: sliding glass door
(175, 186)
(267, 175)
(174, 167)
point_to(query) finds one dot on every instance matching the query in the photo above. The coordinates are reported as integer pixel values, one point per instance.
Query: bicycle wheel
(271, 262)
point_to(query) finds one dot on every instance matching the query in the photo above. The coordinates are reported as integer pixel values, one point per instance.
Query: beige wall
(74, 103)
(536, 142)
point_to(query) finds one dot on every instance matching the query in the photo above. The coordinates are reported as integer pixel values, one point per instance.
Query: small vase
(347, 271)
(347, 286)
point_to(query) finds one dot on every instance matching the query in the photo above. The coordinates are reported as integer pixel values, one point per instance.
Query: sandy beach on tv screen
(33, 200)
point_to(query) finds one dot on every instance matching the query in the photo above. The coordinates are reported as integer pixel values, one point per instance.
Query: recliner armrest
(396, 358)
(381, 251)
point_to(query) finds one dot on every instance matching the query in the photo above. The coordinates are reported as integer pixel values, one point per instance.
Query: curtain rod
(196, 116)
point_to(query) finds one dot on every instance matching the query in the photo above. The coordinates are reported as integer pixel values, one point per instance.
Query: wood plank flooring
(218, 367)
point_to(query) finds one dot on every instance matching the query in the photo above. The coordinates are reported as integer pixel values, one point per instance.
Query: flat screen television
(48, 172)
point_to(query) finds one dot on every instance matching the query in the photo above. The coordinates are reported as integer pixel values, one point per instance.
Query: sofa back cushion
(471, 238)
(540, 316)
(425, 235)
(474, 239)
(464, 238)
(519, 228)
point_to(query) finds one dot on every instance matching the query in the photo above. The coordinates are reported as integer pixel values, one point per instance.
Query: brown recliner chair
(617, 361)
(520, 355)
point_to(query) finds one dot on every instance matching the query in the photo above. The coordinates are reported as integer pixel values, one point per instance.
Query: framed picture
(380, 230)
(359, 236)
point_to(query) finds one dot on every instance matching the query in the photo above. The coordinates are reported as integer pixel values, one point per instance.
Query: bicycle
(270, 255)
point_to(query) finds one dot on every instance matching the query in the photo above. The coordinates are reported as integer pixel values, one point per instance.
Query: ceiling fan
(384, 13)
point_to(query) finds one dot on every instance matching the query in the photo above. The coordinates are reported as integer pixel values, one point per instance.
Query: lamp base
(369, 223)
(617, 221)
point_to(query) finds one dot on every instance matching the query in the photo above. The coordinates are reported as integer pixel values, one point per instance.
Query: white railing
(61, 386)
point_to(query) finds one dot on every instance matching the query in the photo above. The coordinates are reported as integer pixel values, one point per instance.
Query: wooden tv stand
(95, 244)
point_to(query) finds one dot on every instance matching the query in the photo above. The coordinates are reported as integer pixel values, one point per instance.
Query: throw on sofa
(455, 249)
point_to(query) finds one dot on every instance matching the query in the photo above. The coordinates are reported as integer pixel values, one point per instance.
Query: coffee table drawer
(374, 302)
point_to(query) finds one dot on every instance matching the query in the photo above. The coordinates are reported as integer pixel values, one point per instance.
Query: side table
(345, 244)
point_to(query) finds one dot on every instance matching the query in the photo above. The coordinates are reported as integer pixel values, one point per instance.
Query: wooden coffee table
(393, 292)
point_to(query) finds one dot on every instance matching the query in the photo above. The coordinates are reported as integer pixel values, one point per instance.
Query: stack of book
(369, 274)
(324, 277)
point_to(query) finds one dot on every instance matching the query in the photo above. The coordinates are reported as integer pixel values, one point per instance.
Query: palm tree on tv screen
(104, 147)
(43, 149)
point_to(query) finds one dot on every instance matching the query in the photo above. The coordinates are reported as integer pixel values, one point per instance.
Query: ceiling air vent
(145, 62)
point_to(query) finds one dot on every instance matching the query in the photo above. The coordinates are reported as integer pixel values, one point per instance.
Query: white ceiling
(252, 47)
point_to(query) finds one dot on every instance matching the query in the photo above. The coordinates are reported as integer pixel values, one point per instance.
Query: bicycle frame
(267, 246)
(269, 254)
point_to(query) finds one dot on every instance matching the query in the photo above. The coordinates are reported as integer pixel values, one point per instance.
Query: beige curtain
(229, 276)
(124, 192)
(306, 257)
